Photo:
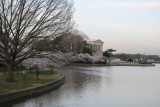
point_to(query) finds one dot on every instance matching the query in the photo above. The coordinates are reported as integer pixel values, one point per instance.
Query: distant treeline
(125, 57)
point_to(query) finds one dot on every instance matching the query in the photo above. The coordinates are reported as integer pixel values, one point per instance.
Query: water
(105, 86)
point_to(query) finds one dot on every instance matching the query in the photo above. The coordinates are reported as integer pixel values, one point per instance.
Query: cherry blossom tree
(46, 62)
(86, 58)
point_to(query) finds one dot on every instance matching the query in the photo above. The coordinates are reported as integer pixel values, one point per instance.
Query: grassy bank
(29, 81)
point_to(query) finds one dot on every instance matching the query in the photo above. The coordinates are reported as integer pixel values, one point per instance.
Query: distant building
(150, 60)
(78, 40)
(96, 46)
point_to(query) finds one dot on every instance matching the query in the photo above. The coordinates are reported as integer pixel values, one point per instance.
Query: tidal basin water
(103, 86)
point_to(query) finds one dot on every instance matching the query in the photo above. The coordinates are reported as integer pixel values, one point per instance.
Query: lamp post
(30, 68)
(18, 68)
(24, 78)
(52, 68)
(42, 66)
(4, 68)
(37, 71)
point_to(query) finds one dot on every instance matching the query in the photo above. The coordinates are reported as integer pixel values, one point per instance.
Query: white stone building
(95, 45)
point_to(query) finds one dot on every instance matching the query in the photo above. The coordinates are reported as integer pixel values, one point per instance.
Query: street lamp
(37, 71)
(24, 72)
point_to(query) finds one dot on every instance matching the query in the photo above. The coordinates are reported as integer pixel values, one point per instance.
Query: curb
(32, 92)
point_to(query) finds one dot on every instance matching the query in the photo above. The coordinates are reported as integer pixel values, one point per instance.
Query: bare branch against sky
(24, 22)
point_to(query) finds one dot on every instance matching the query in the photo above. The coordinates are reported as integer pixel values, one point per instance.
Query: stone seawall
(135, 64)
(116, 64)
(31, 92)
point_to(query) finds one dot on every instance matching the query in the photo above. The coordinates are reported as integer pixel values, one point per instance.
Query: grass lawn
(30, 80)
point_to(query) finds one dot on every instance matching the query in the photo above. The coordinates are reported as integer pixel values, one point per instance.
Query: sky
(128, 26)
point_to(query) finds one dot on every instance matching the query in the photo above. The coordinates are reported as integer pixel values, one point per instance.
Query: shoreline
(134, 64)
(120, 64)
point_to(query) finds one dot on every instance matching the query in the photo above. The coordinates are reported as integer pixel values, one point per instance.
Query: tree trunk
(10, 77)
(109, 62)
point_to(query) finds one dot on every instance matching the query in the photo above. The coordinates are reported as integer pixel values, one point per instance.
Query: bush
(130, 60)
(87, 51)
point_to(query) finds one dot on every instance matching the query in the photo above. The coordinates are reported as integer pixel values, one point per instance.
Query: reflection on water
(103, 86)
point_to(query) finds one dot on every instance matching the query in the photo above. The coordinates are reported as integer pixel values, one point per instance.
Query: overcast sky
(129, 26)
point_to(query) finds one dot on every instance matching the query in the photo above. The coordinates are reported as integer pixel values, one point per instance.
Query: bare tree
(72, 42)
(25, 23)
